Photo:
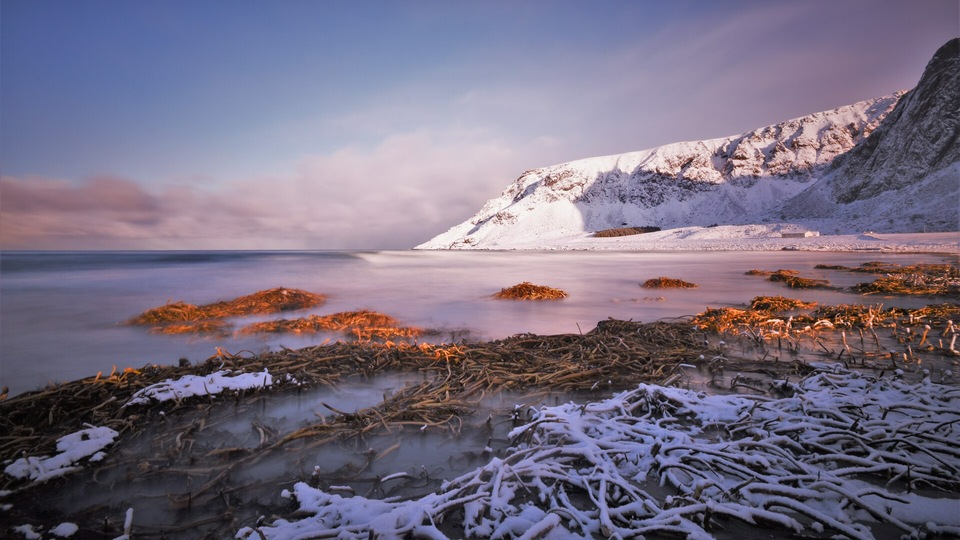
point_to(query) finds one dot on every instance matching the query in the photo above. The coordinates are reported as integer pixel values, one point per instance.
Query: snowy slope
(727, 180)
(902, 178)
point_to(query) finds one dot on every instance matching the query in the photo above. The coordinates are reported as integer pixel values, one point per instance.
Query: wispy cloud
(375, 143)
(395, 195)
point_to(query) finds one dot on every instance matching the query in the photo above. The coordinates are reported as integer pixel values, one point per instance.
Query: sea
(63, 314)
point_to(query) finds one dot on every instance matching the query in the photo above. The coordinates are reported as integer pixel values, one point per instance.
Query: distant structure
(799, 234)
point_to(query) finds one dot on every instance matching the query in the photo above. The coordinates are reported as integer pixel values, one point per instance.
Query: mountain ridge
(818, 170)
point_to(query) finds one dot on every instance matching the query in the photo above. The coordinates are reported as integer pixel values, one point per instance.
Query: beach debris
(827, 458)
(667, 283)
(624, 231)
(914, 279)
(451, 379)
(363, 324)
(779, 304)
(791, 279)
(86, 444)
(918, 279)
(261, 302)
(206, 328)
(529, 291)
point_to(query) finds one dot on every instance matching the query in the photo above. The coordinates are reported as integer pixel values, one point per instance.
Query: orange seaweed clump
(624, 231)
(779, 304)
(193, 327)
(175, 312)
(268, 301)
(792, 280)
(529, 291)
(364, 324)
(918, 279)
(728, 318)
(850, 316)
(667, 283)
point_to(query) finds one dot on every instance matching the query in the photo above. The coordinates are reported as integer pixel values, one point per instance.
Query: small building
(799, 234)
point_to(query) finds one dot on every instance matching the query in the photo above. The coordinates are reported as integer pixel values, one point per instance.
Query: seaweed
(918, 279)
(624, 231)
(667, 283)
(261, 302)
(363, 324)
(779, 304)
(529, 291)
(794, 281)
(455, 377)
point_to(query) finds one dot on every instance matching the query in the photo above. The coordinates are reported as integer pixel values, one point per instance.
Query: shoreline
(675, 362)
(732, 238)
(268, 429)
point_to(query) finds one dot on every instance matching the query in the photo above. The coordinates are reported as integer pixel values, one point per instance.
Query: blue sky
(220, 124)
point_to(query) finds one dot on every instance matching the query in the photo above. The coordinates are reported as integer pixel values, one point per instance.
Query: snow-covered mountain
(898, 147)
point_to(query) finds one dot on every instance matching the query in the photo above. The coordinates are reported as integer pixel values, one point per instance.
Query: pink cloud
(395, 195)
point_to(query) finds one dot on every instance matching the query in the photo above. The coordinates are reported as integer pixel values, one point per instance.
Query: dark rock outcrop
(918, 138)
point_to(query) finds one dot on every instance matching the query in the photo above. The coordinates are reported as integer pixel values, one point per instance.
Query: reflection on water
(60, 313)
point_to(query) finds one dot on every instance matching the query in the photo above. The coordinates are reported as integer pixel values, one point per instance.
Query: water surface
(62, 313)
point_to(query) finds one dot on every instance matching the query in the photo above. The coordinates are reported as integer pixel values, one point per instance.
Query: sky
(241, 124)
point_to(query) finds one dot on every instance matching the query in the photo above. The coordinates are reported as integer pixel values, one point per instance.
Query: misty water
(62, 317)
(62, 314)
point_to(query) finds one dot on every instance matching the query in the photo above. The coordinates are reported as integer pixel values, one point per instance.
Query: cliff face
(918, 138)
(888, 164)
(905, 176)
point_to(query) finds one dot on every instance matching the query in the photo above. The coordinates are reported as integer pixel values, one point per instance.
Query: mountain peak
(815, 170)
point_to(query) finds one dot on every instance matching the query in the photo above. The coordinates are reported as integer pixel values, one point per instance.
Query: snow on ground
(64, 530)
(660, 460)
(765, 237)
(196, 385)
(72, 448)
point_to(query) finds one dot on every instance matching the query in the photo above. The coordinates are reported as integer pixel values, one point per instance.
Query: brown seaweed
(529, 291)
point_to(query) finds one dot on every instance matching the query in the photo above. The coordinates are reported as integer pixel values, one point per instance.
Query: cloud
(394, 165)
(395, 195)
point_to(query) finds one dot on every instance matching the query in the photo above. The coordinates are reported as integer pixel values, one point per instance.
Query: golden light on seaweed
(779, 304)
(792, 280)
(454, 378)
(208, 328)
(667, 283)
(364, 324)
(529, 291)
(261, 302)
(893, 279)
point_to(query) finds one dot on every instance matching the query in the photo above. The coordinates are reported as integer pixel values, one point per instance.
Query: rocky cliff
(918, 138)
(906, 175)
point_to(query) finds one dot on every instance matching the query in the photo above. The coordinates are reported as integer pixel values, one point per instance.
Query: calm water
(61, 314)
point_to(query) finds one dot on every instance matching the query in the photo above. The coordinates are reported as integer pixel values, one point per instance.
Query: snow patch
(197, 385)
(72, 449)
(65, 530)
(793, 464)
